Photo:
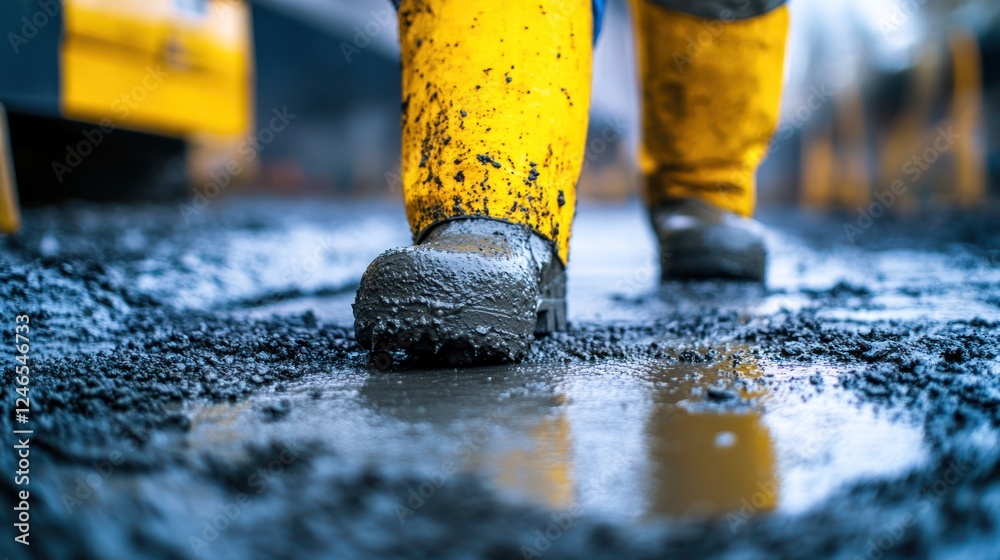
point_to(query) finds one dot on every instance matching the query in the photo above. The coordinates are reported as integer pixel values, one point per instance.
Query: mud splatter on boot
(473, 291)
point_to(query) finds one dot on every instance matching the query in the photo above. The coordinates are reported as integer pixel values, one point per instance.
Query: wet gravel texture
(136, 316)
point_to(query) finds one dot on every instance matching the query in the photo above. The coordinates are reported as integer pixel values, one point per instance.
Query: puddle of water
(706, 464)
(830, 440)
(621, 441)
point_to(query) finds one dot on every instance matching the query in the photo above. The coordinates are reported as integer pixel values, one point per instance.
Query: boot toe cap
(466, 302)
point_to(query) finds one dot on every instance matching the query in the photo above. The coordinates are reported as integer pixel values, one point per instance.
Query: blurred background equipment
(870, 86)
(912, 126)
(889, 106)
(103, 96)
(334, 64)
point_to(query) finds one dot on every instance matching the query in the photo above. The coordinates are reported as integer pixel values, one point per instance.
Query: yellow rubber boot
(495, 102)
(710, 95)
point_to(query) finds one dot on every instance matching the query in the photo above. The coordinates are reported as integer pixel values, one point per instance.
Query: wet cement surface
(197, 392)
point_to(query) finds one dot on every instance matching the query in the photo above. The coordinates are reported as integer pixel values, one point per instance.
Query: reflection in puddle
(709, 463)
(221, 427)
(542, 469)
(618, 440)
